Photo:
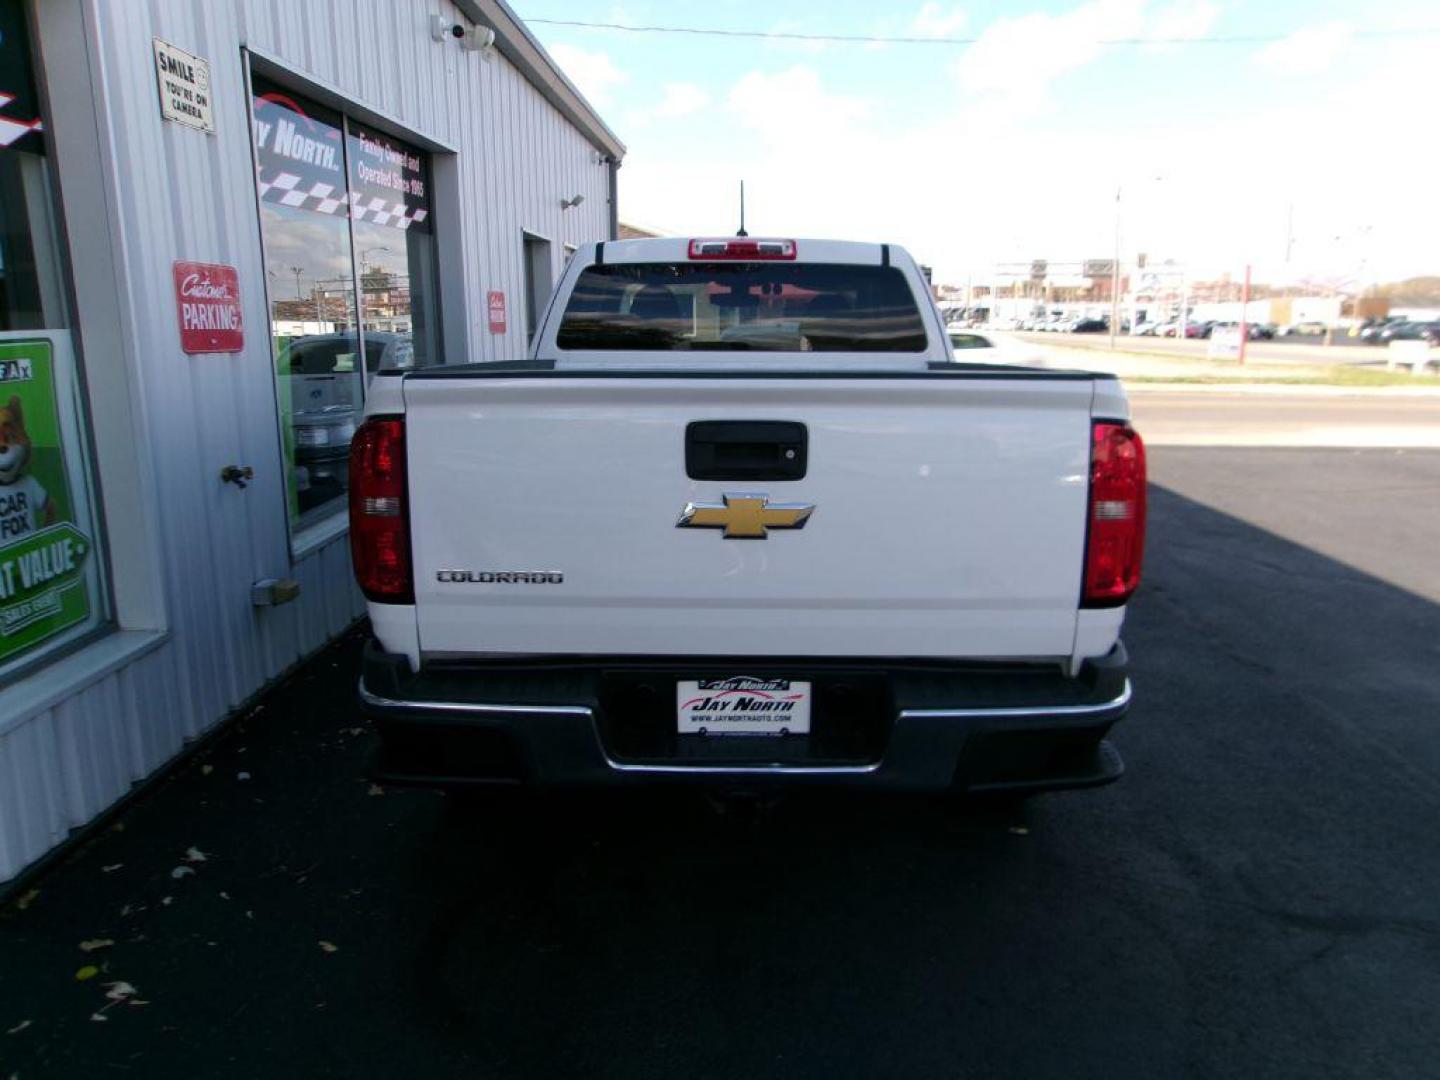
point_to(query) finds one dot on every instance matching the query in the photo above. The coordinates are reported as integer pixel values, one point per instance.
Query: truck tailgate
(948, 521)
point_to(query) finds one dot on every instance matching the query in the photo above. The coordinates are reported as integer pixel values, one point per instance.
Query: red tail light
(742, 249)
(1116, 543)
(379, 516)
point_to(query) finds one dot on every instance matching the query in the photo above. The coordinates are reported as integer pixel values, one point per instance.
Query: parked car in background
(1146, 329)
(1411, 331)
(969, 339)
(1307, 326)
(1371, 329)
(325, 400)
(1199, 329)
(1089, 326)
(1253, 331)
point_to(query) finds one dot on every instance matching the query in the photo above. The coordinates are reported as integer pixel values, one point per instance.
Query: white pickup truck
(742, 518)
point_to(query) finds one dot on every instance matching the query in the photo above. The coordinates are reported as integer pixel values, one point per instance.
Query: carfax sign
(43, 588)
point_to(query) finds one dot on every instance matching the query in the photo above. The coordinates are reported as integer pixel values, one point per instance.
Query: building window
(349, 246)
(394, 246)
(51, 570)
(537, 282)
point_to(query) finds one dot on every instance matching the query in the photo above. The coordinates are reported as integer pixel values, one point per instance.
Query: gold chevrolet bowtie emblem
(745, 516)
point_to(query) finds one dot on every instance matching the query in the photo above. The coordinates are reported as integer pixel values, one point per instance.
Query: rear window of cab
(738, 306)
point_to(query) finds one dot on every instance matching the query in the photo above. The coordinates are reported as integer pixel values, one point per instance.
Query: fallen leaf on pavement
(242, 776)
(166, 901)
(224, 895)
(28, 899)
(1019, 830)
(206, 770)
(92, 944)
(119, 991)
(111, 868)
(89, 971)
(181, 871)
(21, 1026)
(99, 1018)
(194, 854)
(328, 947)
(376, 789)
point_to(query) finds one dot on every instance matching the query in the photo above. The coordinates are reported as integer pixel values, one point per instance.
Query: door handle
(239, 475)
(746, 450)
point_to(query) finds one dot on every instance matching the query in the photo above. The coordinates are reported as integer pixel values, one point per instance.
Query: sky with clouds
(1306, 152)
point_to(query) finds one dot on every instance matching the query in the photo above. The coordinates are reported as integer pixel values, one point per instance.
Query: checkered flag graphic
(383, 212)
(287, 189)
(12, 130)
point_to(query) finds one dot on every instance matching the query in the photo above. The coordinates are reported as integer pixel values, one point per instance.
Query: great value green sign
(44, 588)
(42, 585)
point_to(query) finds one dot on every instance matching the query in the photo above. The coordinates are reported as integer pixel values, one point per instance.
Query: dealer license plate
(743, 706)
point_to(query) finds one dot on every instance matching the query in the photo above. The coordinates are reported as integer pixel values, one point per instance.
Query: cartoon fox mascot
(25, 506)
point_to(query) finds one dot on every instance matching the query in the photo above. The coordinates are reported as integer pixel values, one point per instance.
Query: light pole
(1115, 267)
(1362, 230)
(1115, 275)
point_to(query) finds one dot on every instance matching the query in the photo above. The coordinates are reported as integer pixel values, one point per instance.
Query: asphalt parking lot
(1257, 897)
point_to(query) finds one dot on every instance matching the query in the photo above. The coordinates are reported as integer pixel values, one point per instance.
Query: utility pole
(1184, 305)
(1289, 244)
(1115, 276)
(1244, 322)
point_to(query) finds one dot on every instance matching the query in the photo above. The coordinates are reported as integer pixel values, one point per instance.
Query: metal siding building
(181, 645)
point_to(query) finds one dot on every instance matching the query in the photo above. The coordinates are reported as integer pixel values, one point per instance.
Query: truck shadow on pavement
(1256, 896)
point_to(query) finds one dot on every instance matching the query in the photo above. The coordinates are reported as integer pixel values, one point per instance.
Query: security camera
(474, 38)
(471, 38)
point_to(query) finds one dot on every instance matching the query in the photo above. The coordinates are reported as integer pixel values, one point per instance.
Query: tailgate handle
(746, 450)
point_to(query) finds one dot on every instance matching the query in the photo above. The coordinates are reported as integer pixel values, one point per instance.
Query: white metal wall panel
(179, 194)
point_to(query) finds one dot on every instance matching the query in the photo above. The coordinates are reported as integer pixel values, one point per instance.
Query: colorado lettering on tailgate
(501, 577)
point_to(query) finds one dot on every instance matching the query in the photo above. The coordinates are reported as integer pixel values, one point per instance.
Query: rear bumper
(592, 722)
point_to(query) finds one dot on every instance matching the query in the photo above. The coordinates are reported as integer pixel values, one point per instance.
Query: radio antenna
(742, 231)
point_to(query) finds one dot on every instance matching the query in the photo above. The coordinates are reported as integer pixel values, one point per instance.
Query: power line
(870, 39)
